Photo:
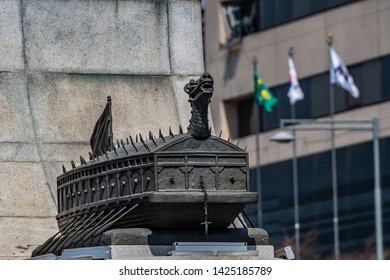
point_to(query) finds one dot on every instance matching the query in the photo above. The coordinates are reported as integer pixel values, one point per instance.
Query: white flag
(295, 92)
(339, 74)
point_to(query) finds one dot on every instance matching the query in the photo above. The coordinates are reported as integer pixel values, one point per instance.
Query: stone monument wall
(59, 59)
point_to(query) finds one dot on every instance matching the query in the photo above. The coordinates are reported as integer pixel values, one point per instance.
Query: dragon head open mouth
(203, 87)
(200, 92)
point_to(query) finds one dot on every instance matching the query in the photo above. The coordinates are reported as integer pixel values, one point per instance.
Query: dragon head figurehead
(200, 92)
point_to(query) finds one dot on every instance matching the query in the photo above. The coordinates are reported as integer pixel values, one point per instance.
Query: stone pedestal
(142, 243)
(59, 60)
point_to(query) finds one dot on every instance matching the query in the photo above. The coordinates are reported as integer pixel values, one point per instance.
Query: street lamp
(351, 125)
(285, 137)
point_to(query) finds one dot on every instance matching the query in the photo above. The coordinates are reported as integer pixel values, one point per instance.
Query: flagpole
(295, 180)
(334, 162)
(258, 169)
(110, 134)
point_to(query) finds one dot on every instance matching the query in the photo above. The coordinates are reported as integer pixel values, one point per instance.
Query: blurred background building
(235, 32)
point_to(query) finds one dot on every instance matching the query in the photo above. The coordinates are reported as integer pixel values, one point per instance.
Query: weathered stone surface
(18, 152)
(134, 236)
(183, 106)
(185, 37)
(126, 252)
(21, 235)
(144, 243)
(139, 104)
(259, 235)
(97, 36)
(11, 47)
(15, 117)
(58, 85)
(24, 190)
(52, 170)
(64, 152)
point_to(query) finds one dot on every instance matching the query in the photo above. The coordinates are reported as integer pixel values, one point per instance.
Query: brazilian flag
(263, 95)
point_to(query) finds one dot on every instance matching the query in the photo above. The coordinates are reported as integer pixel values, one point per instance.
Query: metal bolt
(231, 179)
(171, 180)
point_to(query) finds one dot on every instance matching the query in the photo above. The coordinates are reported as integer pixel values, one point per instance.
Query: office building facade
(238, 31)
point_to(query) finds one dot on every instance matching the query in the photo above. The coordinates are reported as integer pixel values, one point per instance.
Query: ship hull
(164, 210)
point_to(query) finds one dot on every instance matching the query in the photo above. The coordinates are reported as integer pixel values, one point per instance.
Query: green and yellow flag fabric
(263, 95)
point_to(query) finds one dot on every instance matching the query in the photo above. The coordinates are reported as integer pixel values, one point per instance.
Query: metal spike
(90, 156)
(123, 146)
(180, 129)
(220, 134)
(106, 155)
(228, 139)
(117, 142)
(142, 140)
(132, 143)
(136, 138)
(73, 164)
(127, 140)
(63, 169)
(170, 132)
(152, 138)
(95, 156)
(210, 129)
(115, 151)
(238, 142)
(160, 135)
(82, 160)
(246, 147)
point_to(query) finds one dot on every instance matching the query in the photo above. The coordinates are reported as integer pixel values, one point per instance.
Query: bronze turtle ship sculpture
(185, 180)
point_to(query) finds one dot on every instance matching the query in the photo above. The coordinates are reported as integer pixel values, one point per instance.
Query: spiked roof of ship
(138, 146)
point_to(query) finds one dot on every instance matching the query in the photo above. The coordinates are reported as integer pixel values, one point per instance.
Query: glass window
(317, 5)
(284, 10)
(301, 8)
(333, 3)
(370, 77)
(268, 13)
(340, 99)
(245, 110)
(284, 102)
(302, 107)
(320, 96)
(242, 17)
(385, 77)
(371, 90)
